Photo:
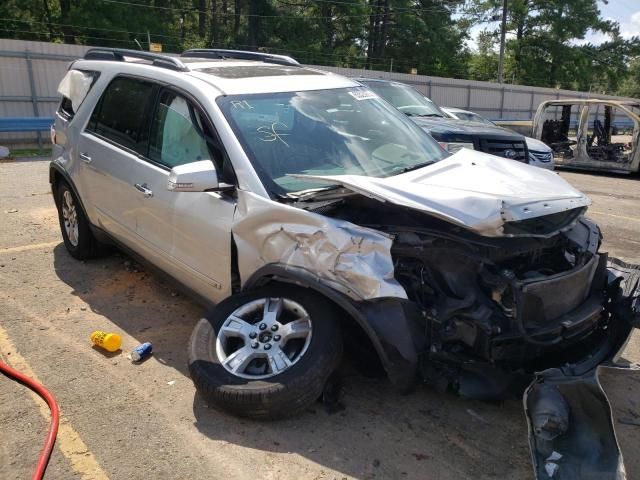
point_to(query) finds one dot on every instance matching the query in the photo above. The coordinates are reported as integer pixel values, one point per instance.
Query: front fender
(388, 322)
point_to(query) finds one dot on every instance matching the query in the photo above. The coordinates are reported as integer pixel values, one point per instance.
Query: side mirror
(193, 177)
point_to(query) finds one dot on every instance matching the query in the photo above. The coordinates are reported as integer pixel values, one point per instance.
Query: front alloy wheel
(266, 353)
(264, 338)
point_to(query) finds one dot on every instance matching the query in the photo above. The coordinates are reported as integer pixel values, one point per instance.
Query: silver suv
(312, 213)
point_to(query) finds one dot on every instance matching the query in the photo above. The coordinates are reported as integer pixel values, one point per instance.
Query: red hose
(43, 461)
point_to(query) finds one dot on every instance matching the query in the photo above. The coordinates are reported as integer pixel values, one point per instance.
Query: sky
(625, 12)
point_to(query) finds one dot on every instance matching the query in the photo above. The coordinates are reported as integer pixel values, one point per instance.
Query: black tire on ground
(285, 394)
(87, 246)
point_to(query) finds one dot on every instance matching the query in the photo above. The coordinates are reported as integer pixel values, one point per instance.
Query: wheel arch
(56, 175)
(385, 322)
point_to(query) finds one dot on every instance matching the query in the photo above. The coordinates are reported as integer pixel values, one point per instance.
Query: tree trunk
(47, 15)
(329, 31)
(520, 24)
(382, 40)
(225, 18)
(371, 38)
(65, 11)
(236, 22)
(254, 25)
(214, 37)
(202, 18)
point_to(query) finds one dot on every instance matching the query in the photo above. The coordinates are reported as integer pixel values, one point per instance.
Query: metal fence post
(429, 90)
(468, 97)
(502, 102)
(533, 95)
(34, 95)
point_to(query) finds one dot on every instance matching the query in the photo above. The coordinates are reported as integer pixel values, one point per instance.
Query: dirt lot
(125, 421)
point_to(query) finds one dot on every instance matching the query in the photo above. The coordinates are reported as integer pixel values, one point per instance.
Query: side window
(74, 87)
(121, 112)
(177, 132)
(66, 109)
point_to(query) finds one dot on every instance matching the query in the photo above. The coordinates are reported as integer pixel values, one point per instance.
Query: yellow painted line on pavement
(25, 248)
(69, 441)
(624, 217)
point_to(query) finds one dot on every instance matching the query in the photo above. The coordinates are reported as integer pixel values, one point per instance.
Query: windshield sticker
(243, 104)
(270, 134)
(363, 94)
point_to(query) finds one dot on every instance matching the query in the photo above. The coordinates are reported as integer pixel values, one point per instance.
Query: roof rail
(119, 54)
(217, 53)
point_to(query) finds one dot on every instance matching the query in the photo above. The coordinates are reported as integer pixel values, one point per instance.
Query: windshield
(325, 132)
(472, 117)
(405, 99)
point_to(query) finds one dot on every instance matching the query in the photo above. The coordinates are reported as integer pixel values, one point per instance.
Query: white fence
(30, 72)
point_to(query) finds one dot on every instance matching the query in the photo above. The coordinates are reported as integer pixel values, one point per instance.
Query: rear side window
(74, 87)
(66, 108)
(121, 113)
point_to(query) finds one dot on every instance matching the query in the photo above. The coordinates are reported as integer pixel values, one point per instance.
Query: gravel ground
(148, 418)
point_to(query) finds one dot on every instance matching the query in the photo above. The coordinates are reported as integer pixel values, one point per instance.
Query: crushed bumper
(571, 430)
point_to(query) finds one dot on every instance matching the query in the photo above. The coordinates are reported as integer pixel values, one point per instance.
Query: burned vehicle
(311, 213)
(591, 134)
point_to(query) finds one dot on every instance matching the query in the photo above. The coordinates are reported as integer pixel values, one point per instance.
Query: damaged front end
(499, 313)
(483, 292)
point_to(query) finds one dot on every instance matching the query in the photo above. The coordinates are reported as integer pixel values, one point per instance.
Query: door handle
(85, 157)
(144, 190)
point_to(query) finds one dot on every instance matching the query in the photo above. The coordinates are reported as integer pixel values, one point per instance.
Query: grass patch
(28, 152)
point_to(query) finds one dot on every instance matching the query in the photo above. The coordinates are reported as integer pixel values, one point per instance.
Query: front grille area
(541, 302)
(506, 149)
(544, 157)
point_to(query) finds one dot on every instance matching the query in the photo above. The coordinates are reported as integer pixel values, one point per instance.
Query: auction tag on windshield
(363, 94)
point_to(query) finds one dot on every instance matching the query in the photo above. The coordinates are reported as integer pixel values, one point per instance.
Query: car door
(187, 233)
(109, 147)
(609, 138)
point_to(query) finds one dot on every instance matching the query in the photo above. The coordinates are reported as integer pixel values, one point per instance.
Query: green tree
(543, 44)
(630, 86)
(483, 64)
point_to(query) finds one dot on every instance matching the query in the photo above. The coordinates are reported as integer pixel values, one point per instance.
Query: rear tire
(256, 389)
(74, 226)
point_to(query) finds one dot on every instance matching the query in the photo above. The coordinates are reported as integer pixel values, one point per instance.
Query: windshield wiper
(303, 195)
(423, 115)
(412, 167)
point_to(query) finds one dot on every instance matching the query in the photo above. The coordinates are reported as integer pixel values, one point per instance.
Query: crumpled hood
(471, 189)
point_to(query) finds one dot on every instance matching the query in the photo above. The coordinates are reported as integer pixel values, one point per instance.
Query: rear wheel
(74, 226)
(266, 353)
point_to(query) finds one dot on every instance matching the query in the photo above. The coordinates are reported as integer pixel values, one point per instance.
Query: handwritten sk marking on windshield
(270, 133)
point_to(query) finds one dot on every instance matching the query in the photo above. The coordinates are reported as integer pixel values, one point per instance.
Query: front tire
(267, 353)
(74, 226)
